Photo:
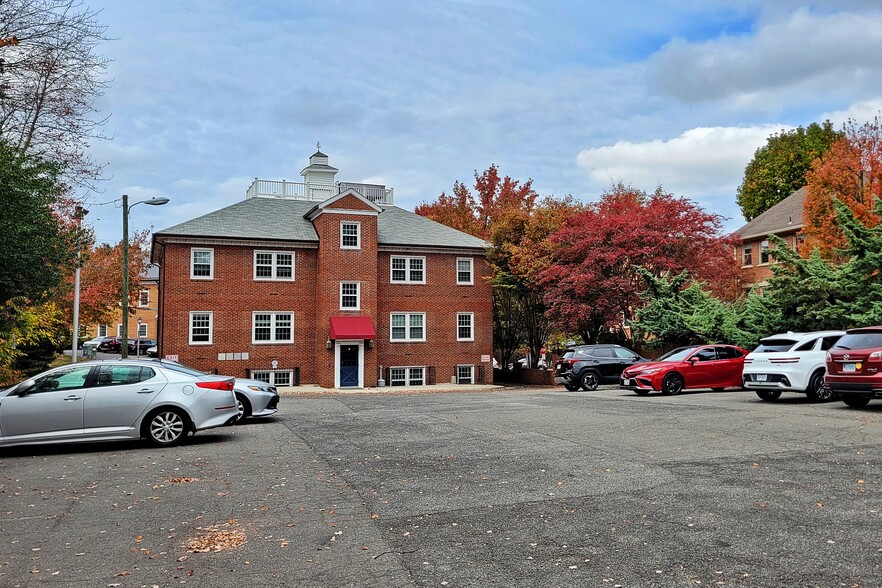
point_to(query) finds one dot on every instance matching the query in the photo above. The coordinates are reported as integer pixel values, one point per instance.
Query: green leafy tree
(778, 168)
(38, 247)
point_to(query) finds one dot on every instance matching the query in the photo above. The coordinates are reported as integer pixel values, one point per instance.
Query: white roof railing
(318, 192)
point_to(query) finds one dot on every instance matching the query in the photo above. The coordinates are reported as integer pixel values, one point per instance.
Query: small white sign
(485, 359)
(275, 364)
(172, 357)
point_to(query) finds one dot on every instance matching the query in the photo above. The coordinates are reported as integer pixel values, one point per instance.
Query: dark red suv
(854, 366)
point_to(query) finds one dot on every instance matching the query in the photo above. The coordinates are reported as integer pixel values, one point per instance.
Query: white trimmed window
(465, 271)
(350, 235)
(465, 322)
(143, 298)
(274, 265)
(465, 374)
(408, 270)
(102, 330)
(119, 330)
(202, 264)
(747, 255)
(201, 327)
(350, 298)
(407, 376)
(272, 327)
(142, 330)
(408, 326)
(764, 252)
(274, 378)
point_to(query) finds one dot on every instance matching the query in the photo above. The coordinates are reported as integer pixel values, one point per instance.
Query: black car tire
(244, 408)
(590, 380)
(672, 384)
(165, 427)
(855, 401)
(817, 390)
(572, 387)
(769, 395)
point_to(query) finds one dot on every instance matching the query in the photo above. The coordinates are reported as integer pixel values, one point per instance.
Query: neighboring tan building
(325, 282)
(784, 220)
(145, 309)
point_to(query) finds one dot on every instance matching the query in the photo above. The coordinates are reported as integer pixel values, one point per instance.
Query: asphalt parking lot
(519, 487)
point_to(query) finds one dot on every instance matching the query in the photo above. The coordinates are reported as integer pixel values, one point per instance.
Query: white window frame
(407, 327)
(471, 280)
(210, 315)
(274, 266)
(102, 330)
(745, 250)
(274, 316)
(142, 330)
(357, 226)
(357, 296)
(407, 375)
(271, 376)
(143, 298)
(471, 326)
(407, 270)
(119, 329)
(193, 252)
(471, 377)
(765, 251)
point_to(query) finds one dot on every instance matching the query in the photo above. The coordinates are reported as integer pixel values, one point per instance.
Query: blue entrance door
(349, 366)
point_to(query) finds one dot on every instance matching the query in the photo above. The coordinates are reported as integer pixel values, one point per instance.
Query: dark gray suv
(588, 366)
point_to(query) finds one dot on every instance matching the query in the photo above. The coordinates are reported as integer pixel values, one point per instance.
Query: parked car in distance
(790, 362)
(854, 366)
(99, 344)
(140, 346)
(699, 366)
(587, 366)
(113, 400)
(255, 398)
(152, 351)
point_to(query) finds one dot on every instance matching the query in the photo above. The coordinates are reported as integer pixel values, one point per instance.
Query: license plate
(762, 377)
(627, 382)
(848, 367)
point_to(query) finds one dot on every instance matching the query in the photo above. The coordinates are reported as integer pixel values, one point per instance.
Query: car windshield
(859, 341)
(772, 345)
(179, 367)
(678, 354)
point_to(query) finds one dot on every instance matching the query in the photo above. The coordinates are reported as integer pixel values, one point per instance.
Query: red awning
(352, 327)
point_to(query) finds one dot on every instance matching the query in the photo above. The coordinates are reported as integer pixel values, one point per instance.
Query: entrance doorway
(350, 364)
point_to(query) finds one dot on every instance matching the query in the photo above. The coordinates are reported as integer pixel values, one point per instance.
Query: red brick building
(324, 282)
(784, 220)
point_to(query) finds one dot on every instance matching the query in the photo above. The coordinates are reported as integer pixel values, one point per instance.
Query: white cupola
(318, 172)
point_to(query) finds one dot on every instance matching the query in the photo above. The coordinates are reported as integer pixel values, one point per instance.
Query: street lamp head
(156, 201)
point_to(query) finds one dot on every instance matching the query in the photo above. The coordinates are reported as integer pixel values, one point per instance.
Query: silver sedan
(115, 399)
(255, 398)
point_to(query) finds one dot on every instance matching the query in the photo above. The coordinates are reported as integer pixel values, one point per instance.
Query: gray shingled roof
(279, 219)
(786, 215)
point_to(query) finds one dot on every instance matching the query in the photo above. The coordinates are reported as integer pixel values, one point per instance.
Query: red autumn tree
(476, 215)
(851, 172)
(593, 284)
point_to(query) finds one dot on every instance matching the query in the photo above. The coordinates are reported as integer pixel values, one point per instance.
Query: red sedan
(701, 366)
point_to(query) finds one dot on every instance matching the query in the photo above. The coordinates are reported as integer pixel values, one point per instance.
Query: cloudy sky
(206, 95)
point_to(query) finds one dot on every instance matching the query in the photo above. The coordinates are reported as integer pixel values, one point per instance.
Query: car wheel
(769, 395)
(244, 408)
(641, 392)
(166, 427)
(855, 401)
(572, 387)
(817, 390)
(672, 384)
(590, 381)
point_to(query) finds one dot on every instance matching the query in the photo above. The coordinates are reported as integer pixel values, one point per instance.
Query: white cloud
(834, 54)
(860, 111)
(701, 162)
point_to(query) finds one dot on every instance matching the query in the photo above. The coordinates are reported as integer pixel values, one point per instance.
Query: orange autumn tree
(851, 172)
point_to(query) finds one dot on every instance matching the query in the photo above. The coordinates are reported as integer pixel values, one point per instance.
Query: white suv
(793, 362)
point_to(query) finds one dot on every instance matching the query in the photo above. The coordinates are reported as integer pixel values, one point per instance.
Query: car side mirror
(24, 388)
(692, 360)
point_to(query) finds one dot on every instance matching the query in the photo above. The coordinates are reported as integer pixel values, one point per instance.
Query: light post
(138, 339)
(124, 344)
(79, 213)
